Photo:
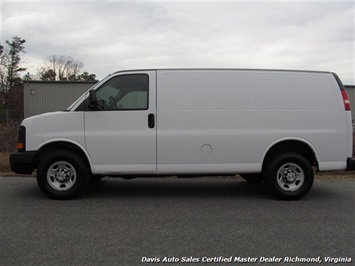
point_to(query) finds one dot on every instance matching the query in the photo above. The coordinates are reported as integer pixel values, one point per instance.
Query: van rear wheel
(289, 176)
(62, 174)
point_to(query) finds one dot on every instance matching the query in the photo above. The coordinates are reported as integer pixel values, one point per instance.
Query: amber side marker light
(21, 144)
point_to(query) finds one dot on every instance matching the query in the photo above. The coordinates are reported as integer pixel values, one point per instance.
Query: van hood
(34, 118)
(55, 126)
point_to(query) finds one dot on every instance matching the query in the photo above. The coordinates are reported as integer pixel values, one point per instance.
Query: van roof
(223, 69)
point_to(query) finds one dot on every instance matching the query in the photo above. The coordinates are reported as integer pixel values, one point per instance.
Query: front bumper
(350, 164)
(23, 162)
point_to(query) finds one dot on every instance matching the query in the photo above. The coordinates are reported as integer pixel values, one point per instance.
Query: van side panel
(224, 121)
(308, 106)
(202, 118)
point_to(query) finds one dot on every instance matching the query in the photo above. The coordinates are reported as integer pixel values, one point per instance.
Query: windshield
(85, 94)
(79, 99)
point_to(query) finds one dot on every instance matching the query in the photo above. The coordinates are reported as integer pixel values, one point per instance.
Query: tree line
(54, 68)
(63, 68)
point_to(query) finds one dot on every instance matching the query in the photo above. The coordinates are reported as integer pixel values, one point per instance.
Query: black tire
(288, 176)
(62, 174)
(96, 178)
(252, 178)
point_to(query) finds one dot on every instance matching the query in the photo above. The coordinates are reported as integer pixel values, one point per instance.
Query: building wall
(41, 96)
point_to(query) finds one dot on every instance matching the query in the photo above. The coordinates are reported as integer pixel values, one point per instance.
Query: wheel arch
(62, 145)
(296, 145)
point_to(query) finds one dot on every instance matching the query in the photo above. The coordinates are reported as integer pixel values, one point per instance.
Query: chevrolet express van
(266, 125)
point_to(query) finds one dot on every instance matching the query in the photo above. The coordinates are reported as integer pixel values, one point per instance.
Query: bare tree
(60, 68)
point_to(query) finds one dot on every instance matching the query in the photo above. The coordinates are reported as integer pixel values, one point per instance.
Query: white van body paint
(207, 121)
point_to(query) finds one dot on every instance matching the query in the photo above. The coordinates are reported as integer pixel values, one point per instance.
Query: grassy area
(6, 171)
(4, 162)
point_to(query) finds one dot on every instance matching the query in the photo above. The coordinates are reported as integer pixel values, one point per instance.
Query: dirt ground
(6, 171)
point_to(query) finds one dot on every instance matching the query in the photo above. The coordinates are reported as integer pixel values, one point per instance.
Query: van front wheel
(289, 176)
(62, 174)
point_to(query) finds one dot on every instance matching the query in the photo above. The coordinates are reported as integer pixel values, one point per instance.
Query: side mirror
(92, 99)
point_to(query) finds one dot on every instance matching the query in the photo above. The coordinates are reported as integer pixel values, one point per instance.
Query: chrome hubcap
(290, 177)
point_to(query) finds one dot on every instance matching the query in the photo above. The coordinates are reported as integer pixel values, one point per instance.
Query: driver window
(124, 92)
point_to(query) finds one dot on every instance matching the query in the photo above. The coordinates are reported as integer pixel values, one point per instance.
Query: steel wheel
(61, 176)
(290, 177)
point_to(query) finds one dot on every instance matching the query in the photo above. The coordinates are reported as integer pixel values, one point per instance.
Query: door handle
(151, 121)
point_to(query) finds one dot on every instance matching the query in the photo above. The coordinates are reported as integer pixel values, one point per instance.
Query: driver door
(120, 134)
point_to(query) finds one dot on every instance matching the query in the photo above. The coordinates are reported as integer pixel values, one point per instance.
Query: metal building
(48, 96)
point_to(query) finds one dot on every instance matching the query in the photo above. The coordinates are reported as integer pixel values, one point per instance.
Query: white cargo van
(267, 125)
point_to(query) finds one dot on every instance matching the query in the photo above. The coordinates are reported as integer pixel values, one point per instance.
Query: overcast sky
(112, 35)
